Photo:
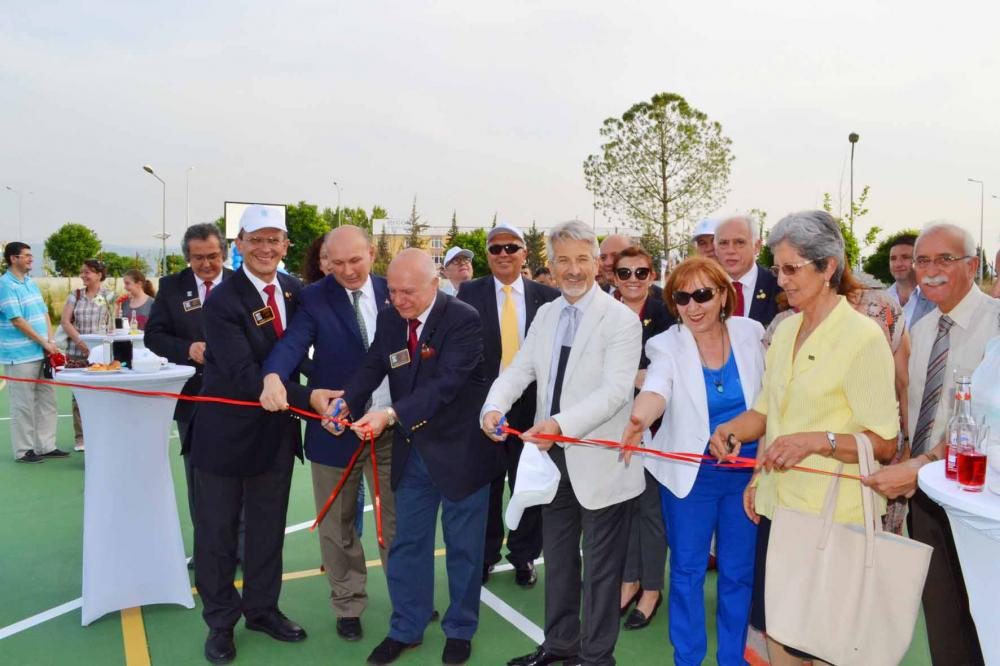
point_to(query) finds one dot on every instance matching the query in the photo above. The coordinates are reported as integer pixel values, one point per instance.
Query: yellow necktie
(510, 340)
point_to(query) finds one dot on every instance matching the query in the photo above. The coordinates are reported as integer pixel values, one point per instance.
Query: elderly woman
(829, 376)
(702, 372)
(87, 310)
(647, 546)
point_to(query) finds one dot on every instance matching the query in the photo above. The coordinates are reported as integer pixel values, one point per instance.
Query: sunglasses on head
(509, 248)
(703, 295)
(626, 273)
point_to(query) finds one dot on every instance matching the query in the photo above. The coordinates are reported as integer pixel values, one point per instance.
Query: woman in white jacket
(703, 371)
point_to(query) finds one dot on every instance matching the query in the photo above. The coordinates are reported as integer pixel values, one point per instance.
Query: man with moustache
(737, 245)
(429, 345)
(905, 289)
(953, 335)
(507, 304)
(243, 458)
(337, 317)
(457, 269)
(582, 351)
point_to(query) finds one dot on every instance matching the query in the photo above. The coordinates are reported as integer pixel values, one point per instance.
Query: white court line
(58, 416)
(44, 616)
(507, 612)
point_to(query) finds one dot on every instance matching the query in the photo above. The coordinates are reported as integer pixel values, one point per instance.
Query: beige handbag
(847, 594)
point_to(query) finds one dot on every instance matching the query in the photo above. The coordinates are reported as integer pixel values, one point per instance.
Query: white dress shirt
(369, 312)
(747, 282)
(279, 295)
(977, 319)
(201, 285)
(517, 293)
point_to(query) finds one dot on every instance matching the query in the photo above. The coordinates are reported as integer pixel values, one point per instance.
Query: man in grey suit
(582, 350)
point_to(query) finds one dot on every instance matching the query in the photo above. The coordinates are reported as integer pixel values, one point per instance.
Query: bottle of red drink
(962, 428)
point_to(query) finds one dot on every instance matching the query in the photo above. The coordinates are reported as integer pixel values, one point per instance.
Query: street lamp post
(20, 205)
(340, 216)
(187, 197)
(853, 138)
(982, 250)
(163, 235)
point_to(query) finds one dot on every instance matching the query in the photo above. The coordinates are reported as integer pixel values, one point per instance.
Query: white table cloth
(975, 524)
(133, 553)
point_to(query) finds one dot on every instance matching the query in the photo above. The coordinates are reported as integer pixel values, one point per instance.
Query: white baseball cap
(705, 227)
(457, 252)
(259, 216)
(504, 228)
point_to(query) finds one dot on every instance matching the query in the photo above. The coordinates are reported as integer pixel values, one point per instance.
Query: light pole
(982, 250)
(163, 235)
(20, 204)
(853, 138)
(340, 217)
(187, 197)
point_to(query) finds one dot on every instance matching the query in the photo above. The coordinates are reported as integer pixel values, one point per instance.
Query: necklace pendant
(719, 388)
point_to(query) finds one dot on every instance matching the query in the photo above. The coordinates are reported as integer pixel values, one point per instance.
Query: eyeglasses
(941, 261)
(703, 295)
(626, 273)
(509, 248)
(202, 258)
(270, 241)
(789, 269)
(460, 261)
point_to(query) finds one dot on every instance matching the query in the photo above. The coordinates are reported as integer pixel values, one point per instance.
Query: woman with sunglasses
(87, 310)
(702, 372)
(647, 546)
(829, 375)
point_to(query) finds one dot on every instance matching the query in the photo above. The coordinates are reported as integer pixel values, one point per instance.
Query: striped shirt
(21, 298)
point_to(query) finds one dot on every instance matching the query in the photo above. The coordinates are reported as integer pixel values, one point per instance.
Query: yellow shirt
(843, 381)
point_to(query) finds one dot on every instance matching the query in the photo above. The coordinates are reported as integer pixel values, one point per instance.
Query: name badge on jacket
(192, 304)
(399, 359)
(263, 316)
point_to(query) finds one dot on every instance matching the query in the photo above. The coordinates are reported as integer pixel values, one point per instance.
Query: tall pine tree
(534, 241)
(415, 228)
(449, 240)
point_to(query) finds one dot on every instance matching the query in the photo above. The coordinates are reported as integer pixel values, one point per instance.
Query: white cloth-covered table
(133, 553)
(975, 524)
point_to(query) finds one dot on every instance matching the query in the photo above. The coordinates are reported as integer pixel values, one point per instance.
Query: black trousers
(597, 577)
(219, 501)
(524, 544)
(951, 633)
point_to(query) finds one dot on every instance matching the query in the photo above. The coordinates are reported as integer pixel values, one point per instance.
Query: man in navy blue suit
(508, 302)
(737, 244)
(337, 316)
(430, 346)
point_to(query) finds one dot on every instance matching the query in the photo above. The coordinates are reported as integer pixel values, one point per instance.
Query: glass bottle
(133, 324)
(963, 430)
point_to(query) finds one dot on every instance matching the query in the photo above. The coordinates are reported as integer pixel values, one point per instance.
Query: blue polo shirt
(21, 298)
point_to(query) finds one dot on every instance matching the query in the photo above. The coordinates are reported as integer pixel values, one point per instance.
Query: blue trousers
(410, 568)
(715, 504)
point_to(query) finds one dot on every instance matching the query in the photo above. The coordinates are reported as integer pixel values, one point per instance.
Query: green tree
(651, 242)
(475, 240)
(118, 264)
(764, 258)
(449, 239)
(175, 263)
(415, 228)
(304, 224)
(494, 222)
(379, 213)
(534, 241)
(355, 216)
(851, 245)
(70, 246)
(662, 162)
(382, 254)
(878, 263)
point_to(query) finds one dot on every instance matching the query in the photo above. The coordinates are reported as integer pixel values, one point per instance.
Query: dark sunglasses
(626, 273)
(509, 248)
(703, 295)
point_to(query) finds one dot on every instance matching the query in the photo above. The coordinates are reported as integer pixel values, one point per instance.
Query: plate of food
(104, 368)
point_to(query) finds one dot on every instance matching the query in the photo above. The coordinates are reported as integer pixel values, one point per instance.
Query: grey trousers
(339, 543)
(32, 410)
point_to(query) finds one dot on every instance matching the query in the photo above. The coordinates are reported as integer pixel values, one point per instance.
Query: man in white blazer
(582, 350)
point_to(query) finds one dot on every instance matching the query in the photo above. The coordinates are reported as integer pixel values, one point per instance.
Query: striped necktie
(356, 295)
(933, 386)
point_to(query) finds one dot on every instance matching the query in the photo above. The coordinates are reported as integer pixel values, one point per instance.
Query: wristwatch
(830, 437)
(391, 413)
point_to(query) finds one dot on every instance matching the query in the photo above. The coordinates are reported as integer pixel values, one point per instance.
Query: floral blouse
(90, 315)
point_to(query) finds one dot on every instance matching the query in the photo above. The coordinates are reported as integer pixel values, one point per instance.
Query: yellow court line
(134, 637)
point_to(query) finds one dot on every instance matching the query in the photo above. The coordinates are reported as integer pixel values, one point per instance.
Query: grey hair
(968, 242)
(816, 236)
(747, 219)
(201, 232)
(574, 230)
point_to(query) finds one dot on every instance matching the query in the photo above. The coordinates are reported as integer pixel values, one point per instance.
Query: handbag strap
(830, 506)
(866, 465)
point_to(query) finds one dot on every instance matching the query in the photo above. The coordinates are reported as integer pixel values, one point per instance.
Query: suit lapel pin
(811, 357)
(189, 294)
(761, 295)
(288, 294)
(647, 322)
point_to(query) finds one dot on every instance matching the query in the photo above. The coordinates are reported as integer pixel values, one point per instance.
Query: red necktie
(412, 341)
(208, 288)
(738, 310)
(272, 303)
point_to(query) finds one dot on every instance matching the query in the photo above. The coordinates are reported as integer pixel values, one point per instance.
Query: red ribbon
(367, 440)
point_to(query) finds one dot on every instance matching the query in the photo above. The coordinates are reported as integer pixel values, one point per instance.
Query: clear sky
(481, 107)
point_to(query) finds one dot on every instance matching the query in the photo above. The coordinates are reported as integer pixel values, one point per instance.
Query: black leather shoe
(637, 619)
(219, 647)
(349, 628)
(456, 651)
(634, 600)
(277, 626)
(541, 657)
(56, 453)
(388, 651)
(525, 575)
